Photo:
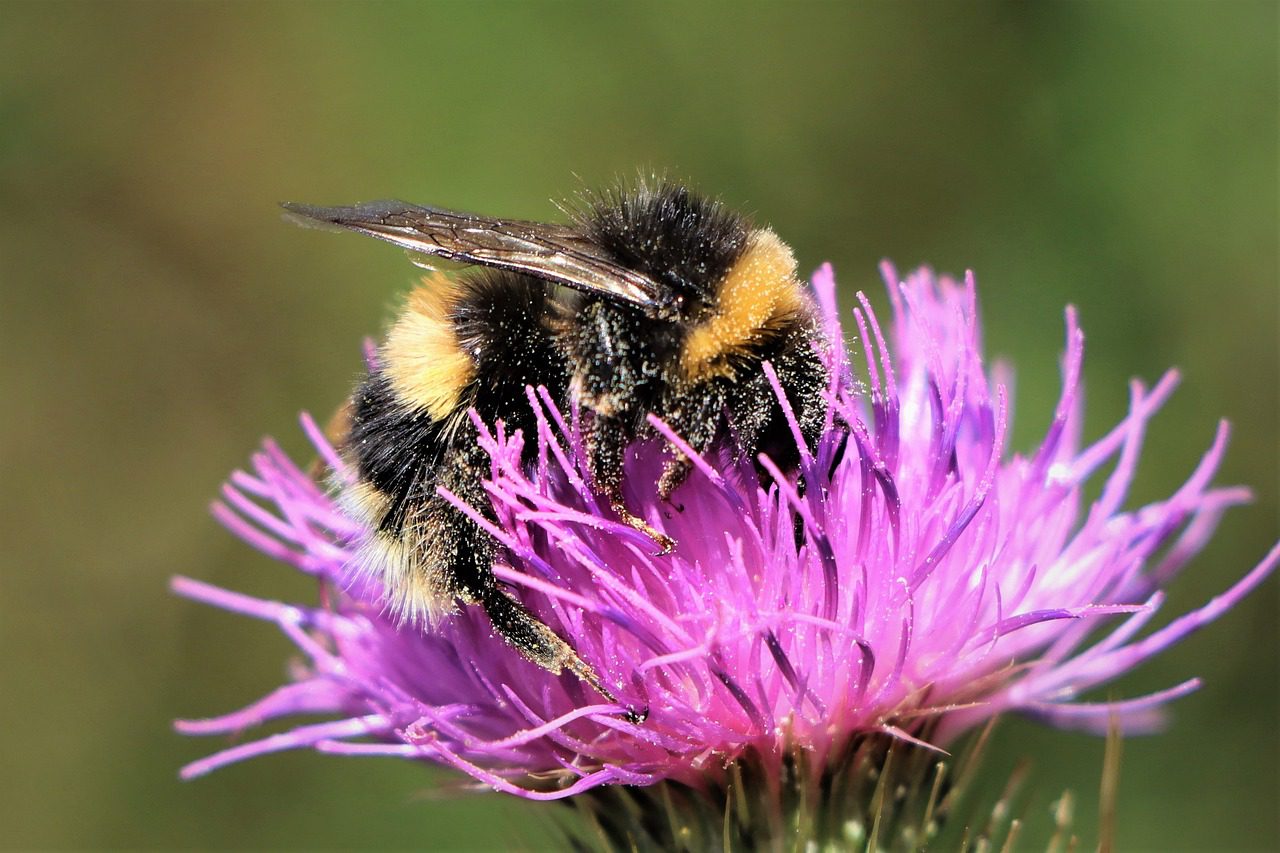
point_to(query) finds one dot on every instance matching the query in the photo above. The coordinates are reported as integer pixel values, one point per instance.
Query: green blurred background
(158, 318)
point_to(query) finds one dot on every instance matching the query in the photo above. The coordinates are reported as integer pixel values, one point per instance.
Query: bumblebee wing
(551, 252)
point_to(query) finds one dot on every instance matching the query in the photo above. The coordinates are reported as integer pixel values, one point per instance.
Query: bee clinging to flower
(651, 301)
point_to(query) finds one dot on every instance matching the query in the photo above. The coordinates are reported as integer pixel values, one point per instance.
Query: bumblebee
(652, 299)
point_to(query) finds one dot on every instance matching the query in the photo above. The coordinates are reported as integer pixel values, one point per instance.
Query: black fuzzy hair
(683, 240)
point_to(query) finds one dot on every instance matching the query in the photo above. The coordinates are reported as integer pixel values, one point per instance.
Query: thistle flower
(925, 580)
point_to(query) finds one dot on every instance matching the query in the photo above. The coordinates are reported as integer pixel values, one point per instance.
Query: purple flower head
(924, 580)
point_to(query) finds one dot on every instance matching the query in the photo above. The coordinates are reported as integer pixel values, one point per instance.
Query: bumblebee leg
(457, 541)
(607, 444)
(675, 472)
(536, 641)
(664, 542)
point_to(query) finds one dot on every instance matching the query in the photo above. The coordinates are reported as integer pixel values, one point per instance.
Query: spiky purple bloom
(925, 581)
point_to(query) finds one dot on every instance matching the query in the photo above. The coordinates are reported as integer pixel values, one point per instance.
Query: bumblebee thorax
(757, 298)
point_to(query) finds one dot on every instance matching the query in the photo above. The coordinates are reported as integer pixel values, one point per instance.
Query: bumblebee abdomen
(395, 448)
(423, 358)
(504, 322)
(473, 342)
